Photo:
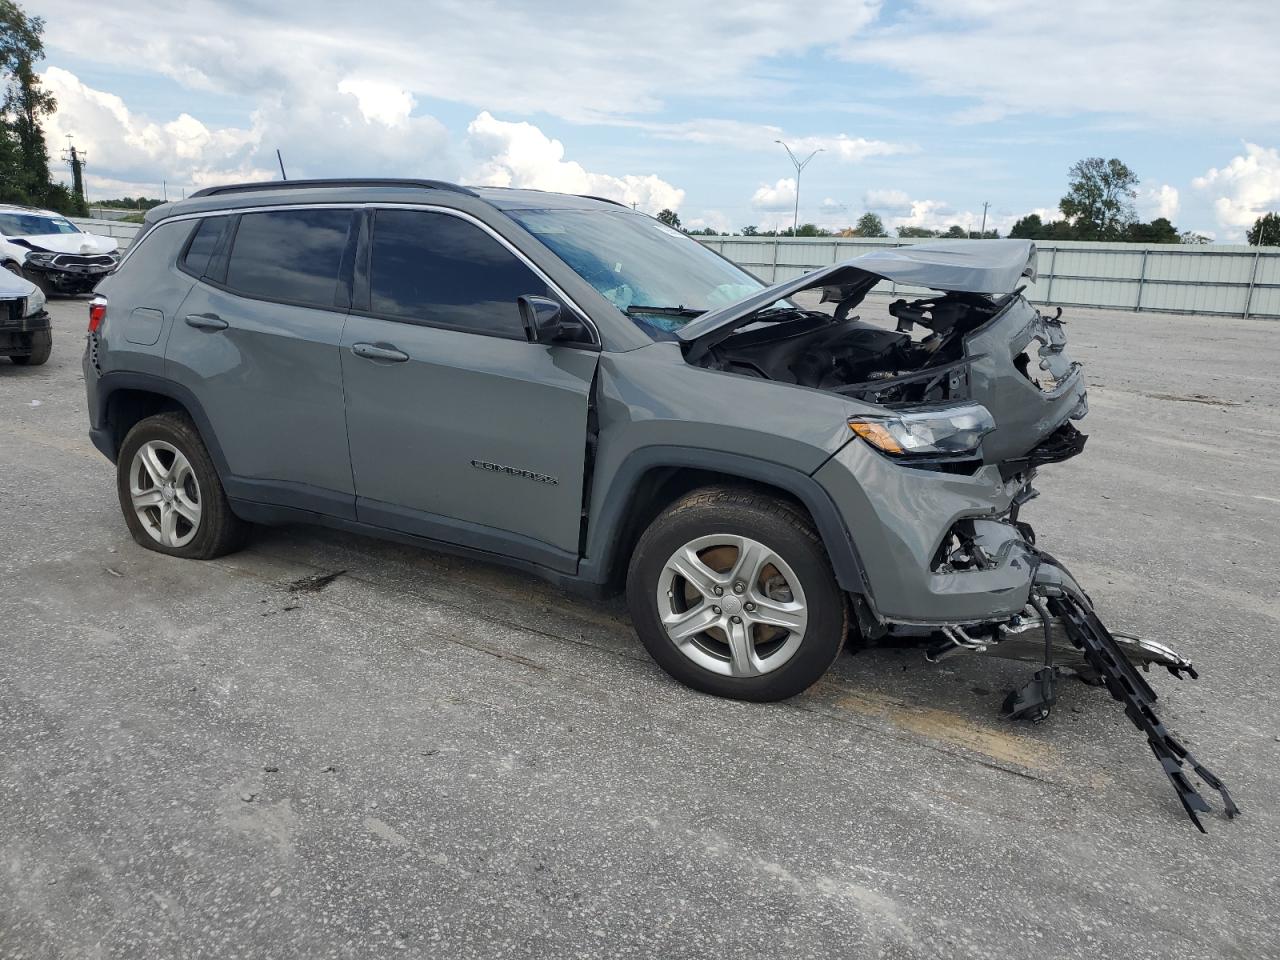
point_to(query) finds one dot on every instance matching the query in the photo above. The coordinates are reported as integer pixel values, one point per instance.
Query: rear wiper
(664, 311)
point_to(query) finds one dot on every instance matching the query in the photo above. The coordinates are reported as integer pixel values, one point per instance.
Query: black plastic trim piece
(265, 185)
(602, 538)
(114, 381)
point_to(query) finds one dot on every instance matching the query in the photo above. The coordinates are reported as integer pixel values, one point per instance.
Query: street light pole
(800, 165)
(983, 231)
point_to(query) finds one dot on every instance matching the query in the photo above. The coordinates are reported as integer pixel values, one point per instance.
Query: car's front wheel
(170, 493)
(732, 593)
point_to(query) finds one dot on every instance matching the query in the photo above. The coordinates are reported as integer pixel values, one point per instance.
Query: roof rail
(616, 203)
(306, 184)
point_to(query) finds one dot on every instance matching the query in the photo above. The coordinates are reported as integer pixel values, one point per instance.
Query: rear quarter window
(289, 255)
(200, 248)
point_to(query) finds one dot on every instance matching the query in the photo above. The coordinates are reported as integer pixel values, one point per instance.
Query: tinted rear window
(203, 243)
(440, 269)
(291, 255)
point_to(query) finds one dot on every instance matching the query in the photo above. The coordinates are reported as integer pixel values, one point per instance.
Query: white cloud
(1159, 201)
(575, 59)
(887, 201)
(520, 155)
(380, 102)
(132, 154)
(1244, 189)
(761, 137)
(781, 196)
(1152, 60)
(831, 206)
(714, 219)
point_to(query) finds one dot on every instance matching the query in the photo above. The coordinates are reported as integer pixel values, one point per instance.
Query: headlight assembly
(947, 431)
(35, 303)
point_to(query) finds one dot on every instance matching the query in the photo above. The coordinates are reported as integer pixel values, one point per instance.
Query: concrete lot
(448, 759)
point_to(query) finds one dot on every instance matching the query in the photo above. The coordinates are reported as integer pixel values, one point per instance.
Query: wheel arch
(652, 478)
(124, 399)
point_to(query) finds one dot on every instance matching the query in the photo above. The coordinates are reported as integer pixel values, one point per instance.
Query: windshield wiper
(664, 311)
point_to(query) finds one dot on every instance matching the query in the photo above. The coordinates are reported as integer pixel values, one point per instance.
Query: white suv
(52, 252)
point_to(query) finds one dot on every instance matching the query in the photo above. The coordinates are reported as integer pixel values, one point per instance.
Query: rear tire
(779, 619)
(170, 494)
(41, 347)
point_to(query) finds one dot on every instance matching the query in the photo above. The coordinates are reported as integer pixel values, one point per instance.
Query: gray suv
(565, 385)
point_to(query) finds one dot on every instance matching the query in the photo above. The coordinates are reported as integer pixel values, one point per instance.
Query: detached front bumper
(67, 278)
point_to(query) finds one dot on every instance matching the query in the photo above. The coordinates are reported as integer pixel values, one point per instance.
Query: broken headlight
(944, 432)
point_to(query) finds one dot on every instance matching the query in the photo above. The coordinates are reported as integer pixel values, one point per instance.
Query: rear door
(256, 342)
(460, 429)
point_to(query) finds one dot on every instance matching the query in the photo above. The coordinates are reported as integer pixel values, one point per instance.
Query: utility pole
(800, 165)
(983, 231)
(77, 162)
(164, 185)
(280, 160)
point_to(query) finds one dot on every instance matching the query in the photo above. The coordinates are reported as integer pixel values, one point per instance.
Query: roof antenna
(283, 175)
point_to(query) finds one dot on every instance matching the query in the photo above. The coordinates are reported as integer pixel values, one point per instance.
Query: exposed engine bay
(861, 360)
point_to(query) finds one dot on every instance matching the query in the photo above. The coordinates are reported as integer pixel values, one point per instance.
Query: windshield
(638, 262)
(34, 224)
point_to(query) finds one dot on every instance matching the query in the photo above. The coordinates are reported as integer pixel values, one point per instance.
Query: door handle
(206, 321)
(373, 351)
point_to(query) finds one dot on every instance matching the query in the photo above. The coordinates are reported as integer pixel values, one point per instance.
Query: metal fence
(1172, 278)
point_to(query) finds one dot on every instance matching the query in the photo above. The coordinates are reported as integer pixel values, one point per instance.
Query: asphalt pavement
(424, 756)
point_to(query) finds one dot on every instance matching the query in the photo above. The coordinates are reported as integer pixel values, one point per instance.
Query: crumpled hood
(82, 243)
(965, 266)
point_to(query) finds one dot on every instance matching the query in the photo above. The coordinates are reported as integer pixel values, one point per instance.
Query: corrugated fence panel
(1176, 278)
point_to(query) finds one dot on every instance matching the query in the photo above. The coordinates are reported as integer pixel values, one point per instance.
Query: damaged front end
(963, 402)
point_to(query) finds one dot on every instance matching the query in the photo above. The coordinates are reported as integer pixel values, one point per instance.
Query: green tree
(24, 156)
(1193, 238)
(955, 231)
(1030, 227)
(1265, 231)
(919, 232)
(870, 225)
(808, 230)
(749, 231)
(669, 217)
(1099, 200)
(1159, 230)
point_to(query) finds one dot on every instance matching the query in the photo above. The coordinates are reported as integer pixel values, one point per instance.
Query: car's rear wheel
(732, 593)
(170, 493)
(41, 348)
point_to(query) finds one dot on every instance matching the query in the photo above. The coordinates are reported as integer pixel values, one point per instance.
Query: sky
(924, 111)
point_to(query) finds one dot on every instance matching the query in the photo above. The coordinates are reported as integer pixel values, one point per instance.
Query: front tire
(170, 494)
(732, 594)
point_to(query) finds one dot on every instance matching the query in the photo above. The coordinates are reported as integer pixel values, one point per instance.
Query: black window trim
(213, 254)
(216, 274)
(362, 286)
(361, 278)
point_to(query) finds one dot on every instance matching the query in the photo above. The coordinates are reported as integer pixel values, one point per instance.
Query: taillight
(97, 313)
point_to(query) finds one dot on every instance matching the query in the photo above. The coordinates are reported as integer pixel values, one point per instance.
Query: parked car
(25, 334)
(48, 249)
(570, 387)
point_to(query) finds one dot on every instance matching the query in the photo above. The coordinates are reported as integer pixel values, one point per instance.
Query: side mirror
(545, 321)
